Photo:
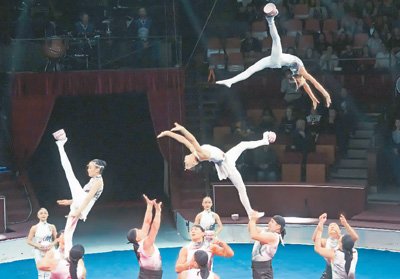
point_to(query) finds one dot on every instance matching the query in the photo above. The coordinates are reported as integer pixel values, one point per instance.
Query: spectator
(360, 27)
(318, 12)
(321, 44)
(370, 10)
(84, 28)
(242, 129)
(387, 8)
(348, 64)
(250, 44)
(341, 42)
(289, 88)
(310, 60)
(288, 123)
(374, 43)
(330, 125)
(348, 113)
(290, 50)
(313, 121)
(347, 26)
(329, 60)
(394, 42)
(396, 150)
(396, 22)
(366, 64)
(385, 33)
(265, 162)
(384, 60)
(267, 122)
(301, 139)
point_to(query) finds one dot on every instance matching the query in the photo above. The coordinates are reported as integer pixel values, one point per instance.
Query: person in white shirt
(225, 163)
(278, 59)
(343, 258)
(200, 268)
(208, 219)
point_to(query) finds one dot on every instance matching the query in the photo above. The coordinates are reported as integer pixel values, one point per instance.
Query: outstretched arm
(256, 234)
(311, 94)
(322, 220)
(220, 248)
(148, 215)
(324, 252)
(148, 244)
(348, 228)
(317, 85)
(178, 138)
(203, 154)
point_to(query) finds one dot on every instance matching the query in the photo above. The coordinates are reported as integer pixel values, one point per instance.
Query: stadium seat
(293, 27)
(330, 25)
(216, 61)
(288, 41)
(291, 167)
(232, 45)
(254, 116)
(266, 44)
(316, 168)
(235, 62)
(214, 46)
(301, 11)
(312, 26)
(219, 134)
(360, 40)
(306, 41)
(259, 29)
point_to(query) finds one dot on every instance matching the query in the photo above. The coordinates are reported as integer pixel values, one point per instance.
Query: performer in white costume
(218, 247)
(208, 219)
(265, 245)
(343, 258)
(277, 59)
(143, 239)
(200, 268)
(62, 267)
(225, 163)
(332, 242)
(84, 198)
(42, 237)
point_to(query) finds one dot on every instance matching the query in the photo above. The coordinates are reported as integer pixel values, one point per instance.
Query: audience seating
(326, 145)
(214, 46)
(360, 40)
(279, 146)
(291, 166)
(316, 168)
(278, 113)
(254, 116)
(330, 25)
(216, 61)
(306, 41)
(220, 133)
(235, 62)
(312, 26)
(293, 27)
(301, 11)
(288, 41)
(259, 29)
(266, 44)
(232, 45)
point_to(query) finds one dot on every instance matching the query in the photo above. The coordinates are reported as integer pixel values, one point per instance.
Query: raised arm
(203, 154)
(181, 264)
(317, 85)
(322, 220)
(178, 138)
(348, 228)
(311, 95)
(219, 223)
(148, 215)
(256, 234)
(324, 252)
(220, 248)
(148, 244)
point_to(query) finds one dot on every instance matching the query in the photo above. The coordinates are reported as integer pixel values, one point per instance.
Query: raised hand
(322, 218)
(328, 100)
(177, 127)
(163, 134)
(343, 220)
(148, 201)
(157, 206)
(254, 215)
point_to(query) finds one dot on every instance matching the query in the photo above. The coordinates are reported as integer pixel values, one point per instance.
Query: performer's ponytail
(347, 247)
(131, 236)
(76, 253)
(201, 258)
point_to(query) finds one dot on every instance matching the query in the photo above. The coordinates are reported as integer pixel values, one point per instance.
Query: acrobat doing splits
(277, 59)
(84, 198)
(225, 163)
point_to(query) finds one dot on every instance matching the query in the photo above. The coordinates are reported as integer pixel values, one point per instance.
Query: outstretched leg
(276, 49)
(237, 180)
(234, 153)
(69, 230)
(74, 185)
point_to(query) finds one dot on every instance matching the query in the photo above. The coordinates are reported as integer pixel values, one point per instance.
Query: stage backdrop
(33, 96)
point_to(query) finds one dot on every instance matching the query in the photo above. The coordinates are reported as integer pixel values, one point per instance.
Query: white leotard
(86, 189)
(61, 271)
(218, 157)
(192, 247)
(263, 252)
(331, 243)
(195, 274)
(43, 237)
(148, 262)
(207, 220)
(338, 265)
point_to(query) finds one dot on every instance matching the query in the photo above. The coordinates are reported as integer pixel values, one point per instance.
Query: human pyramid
(195, 260)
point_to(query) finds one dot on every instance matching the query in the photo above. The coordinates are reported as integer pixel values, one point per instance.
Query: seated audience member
(250, 44)
(330, 125)
(341, 42)
(289, 88)
(361, 27)
(366, 64)
(318, 12)
(349, 64)
(374, 43)
(321, 44)
(265, 161)
(313, 121)
(301, 139)
(267, 122)
(84, 28)
(329, 60)
(242, 129)
(396, 150)
(394, 43)
(311, 60)
(384, 60)
(288, 123)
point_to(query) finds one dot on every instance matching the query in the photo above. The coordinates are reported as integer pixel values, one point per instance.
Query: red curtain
(33, 97)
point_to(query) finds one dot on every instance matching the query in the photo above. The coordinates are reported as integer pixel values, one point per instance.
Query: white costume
(264, 252)
(207, 220)
(43, 237)
(78, 196)
(148, 262)
(277, 59)
(192, 247)
(338, 265)
(195, 274)
(61, 271)
(225, 163)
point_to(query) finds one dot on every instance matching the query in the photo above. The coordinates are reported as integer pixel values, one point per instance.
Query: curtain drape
(33, 96)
